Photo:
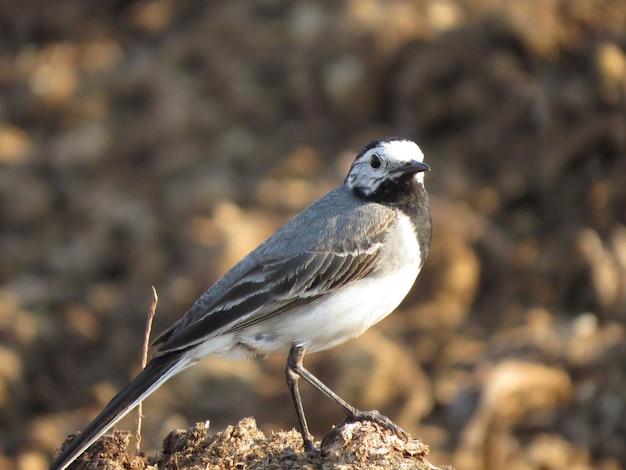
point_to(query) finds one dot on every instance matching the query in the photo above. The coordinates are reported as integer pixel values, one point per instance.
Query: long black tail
(152, 377)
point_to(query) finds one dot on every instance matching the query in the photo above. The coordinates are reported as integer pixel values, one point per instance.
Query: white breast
(344, 314)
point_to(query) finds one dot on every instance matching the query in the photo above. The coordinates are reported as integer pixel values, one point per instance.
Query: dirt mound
(156, 142)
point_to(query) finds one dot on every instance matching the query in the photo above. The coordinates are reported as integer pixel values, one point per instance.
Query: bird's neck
(414, 204)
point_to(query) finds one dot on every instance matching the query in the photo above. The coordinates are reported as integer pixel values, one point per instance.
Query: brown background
(156, 142)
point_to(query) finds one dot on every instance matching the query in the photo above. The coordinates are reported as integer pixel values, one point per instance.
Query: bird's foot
(309, 446)
(308, 441)
(377, 417)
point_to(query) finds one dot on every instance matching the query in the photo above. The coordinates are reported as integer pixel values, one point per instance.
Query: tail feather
(156, 372)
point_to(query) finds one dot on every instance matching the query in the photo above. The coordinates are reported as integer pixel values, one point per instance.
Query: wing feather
(276, 284)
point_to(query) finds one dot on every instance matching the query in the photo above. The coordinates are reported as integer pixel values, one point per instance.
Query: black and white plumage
(337, 268)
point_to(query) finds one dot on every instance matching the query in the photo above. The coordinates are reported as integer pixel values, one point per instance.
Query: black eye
(375, 161)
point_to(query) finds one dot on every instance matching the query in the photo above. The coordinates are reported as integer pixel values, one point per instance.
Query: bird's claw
(377, 417)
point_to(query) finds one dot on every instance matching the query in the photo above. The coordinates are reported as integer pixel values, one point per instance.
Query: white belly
(330, 320)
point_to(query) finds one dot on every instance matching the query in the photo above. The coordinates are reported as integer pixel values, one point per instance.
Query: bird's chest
(350, 312)
(334, 319)
(347, 312)
(370, 300)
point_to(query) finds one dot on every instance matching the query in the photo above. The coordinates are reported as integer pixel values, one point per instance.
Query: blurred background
(157, 142)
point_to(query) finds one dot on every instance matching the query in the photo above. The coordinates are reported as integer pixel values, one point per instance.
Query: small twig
(144, 362)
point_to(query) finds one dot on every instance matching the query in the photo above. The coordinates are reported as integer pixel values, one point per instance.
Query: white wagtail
(340, 266)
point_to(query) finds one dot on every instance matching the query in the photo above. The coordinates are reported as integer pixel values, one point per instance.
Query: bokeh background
(156, 142)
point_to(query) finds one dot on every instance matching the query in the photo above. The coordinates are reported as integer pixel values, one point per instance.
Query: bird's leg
(294, 361)
(295, 369)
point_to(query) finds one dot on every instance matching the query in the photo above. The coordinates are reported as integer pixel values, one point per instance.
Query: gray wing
(274, 286)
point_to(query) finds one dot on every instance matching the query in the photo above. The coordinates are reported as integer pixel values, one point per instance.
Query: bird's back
(338, 215)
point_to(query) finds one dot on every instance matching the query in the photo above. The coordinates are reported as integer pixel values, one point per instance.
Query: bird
(335, 269)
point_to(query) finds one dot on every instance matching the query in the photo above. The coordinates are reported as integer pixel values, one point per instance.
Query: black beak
(412, 168)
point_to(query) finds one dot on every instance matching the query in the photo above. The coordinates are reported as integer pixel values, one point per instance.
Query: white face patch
(377, 163)
(403, 151)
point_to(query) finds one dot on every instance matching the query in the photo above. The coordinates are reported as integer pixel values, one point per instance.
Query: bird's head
(386, 169)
